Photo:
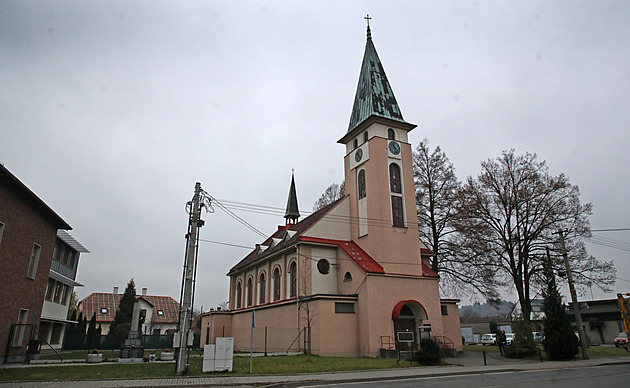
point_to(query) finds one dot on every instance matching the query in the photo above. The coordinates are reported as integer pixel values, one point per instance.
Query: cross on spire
(369, 33)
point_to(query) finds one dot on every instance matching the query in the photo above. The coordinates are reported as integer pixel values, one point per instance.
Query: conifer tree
(122, 321)
(560, 342)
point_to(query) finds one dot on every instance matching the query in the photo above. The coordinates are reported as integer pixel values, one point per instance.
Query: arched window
(365, 136)
(394, 179)
(395, 188)
(293, 269)
(361, 184)
(238, 294)
(355, 144)
(263, 286)
(347, 276)
(250, 291)
(276, 284)
(391, 135)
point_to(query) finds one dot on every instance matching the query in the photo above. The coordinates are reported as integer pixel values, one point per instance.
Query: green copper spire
(292, 213)
(374, 95)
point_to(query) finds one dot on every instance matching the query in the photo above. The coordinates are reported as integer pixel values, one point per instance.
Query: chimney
(115, 290)
(144, 290)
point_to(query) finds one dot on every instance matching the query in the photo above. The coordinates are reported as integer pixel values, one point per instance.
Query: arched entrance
(408, 316)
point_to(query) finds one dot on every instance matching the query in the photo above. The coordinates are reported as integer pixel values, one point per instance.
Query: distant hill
(478, 310)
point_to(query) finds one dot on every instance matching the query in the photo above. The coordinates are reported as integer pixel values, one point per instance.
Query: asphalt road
(612, 376)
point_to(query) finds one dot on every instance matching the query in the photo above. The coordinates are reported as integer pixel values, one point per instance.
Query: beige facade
(350, 279)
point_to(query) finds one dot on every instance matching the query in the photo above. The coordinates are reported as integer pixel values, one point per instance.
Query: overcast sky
(110, 111)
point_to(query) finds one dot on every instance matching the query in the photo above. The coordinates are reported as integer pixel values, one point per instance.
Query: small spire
(369, 32)
(292, 213)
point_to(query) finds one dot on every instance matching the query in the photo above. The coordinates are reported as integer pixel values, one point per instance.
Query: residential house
(160, 313)
(601, 320)
(61, 283)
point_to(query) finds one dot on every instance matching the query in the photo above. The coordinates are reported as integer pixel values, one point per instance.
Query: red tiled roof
(94, 302)
(298, 228)
(426, 271)
(350, 248)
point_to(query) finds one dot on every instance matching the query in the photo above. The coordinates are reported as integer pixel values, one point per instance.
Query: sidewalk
(466, 363)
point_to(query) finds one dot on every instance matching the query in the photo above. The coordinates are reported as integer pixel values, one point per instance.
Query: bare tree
(332, 193)
(513, 210)
(436, 201)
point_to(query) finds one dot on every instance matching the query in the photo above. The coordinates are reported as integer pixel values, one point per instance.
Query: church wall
(384, 292)
(335, 225)
(384, 242)
(379, 130)
(335, 333)
(281, 321)
(350, 285)
(323, 283)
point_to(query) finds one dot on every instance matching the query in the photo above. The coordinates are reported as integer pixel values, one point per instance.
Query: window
(397, 211)
(238, 294)
(50, 289)
(65, 294)
(323, 266)
(347, 277)
(355, 144)
(394, 179)
(18, 334)
(276, 284)
(395, 186)
(391, 135)
(362, 191)
(1, 231)
(365, 136)
(263, 286)
(104, 310)
(32, 264)
(444, 309)
(160, 313)
(58, 292)
(293, 268)
(344, 307)
(250, 292)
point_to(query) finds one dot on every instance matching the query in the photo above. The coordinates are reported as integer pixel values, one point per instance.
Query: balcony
(63, 269)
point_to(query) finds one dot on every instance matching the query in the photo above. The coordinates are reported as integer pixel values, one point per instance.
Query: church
(352, 278)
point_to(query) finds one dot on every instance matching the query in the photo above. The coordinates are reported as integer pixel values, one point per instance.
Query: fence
(20, 343)
(109, 342)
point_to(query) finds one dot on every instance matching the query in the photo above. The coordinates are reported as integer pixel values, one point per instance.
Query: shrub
(429, 353)
(523, 344)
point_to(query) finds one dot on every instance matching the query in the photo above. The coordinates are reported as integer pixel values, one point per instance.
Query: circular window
(323, 266)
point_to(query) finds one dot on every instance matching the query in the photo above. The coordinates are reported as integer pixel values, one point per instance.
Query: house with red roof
(352, 278)
(160, 312)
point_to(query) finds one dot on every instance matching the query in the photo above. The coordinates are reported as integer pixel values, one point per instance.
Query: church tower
(379, 172)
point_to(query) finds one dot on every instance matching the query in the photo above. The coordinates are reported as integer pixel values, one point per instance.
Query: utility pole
(574, 299)
(183, 336)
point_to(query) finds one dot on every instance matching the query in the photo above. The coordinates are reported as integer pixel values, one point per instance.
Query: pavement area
(464, 363)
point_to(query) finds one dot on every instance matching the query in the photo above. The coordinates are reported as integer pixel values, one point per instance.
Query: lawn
(261, 365)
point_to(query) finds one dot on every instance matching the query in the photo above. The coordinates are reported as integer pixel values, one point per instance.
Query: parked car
(537, 336)
(621, 339)
(489, 339)
(509, 337)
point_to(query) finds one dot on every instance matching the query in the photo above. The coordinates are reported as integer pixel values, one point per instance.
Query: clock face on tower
(358, 155)
(394, 147)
